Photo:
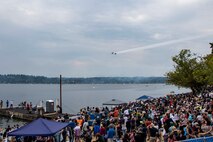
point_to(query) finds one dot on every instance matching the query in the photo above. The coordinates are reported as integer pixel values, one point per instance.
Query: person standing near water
(1, 104)
(11, 104)
(7, 103)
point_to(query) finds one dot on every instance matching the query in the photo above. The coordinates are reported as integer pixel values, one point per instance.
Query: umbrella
(144, 97)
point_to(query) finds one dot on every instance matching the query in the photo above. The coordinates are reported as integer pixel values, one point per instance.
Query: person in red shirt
(103, 130)
(116, 112)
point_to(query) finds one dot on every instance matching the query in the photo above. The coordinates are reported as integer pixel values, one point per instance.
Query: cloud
(33, 14)
(76, 38)
(187, 3)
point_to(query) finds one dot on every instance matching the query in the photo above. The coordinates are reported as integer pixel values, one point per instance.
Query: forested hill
(30, 79)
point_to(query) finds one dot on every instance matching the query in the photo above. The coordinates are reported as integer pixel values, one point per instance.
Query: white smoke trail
(160, 44)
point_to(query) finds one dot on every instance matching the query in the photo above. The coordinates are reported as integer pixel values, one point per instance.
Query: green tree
(209, 71)
(190, 71)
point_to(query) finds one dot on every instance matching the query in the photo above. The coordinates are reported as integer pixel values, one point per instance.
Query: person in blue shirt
(110, 134)
(72, 124)
(96, 129)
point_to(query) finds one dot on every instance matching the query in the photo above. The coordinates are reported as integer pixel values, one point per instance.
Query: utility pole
(60, 94)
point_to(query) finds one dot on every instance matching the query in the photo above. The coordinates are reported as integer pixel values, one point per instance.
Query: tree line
(30, 79)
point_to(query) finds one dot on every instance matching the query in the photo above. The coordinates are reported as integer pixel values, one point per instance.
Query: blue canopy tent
(144, 97)
(39, 127)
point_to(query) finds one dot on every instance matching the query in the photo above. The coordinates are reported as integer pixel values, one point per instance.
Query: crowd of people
(9, 104)
(164, 119)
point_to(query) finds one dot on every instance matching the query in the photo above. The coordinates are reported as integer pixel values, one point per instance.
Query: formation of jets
(155, 45)
(114, 53)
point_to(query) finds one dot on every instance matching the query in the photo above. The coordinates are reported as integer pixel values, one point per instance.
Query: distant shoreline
(30, 79)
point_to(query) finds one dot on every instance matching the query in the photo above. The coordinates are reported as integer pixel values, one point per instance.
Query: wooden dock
(21, 113)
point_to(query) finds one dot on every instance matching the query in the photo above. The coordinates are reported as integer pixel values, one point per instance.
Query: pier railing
(201, 139)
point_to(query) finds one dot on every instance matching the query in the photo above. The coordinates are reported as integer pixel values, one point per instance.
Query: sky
(75, 38)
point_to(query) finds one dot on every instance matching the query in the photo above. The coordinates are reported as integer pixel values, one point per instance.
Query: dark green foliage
(190, 71)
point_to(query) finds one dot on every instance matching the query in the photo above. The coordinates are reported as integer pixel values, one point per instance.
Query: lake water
(77, 96)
